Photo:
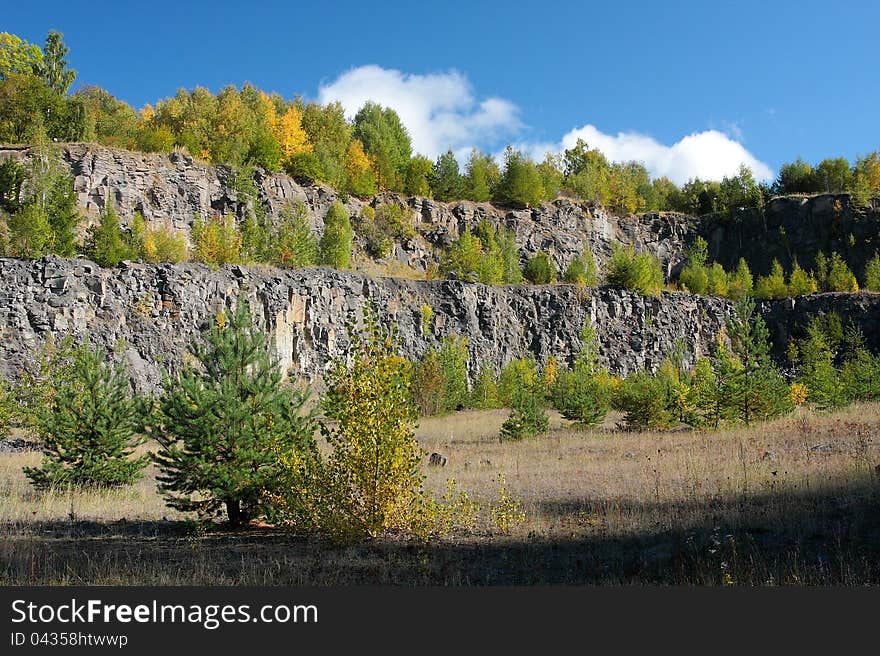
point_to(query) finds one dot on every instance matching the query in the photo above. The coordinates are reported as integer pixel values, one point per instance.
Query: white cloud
(708, 155)
(439, 110)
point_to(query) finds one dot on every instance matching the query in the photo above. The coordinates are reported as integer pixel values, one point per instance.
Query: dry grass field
(796, 501)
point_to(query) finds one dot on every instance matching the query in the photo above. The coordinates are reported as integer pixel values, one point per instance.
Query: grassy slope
(793, 501)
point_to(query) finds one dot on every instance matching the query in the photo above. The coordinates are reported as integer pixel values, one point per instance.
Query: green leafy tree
(772, 285)
(520, 184)
(87, 427)
(440, 383)
(17, 56)
(336, 241)
(472, 259)
(108, 121)
(485, 395)
(840, 278)
(294, 243)
(481, 178)
(645, 401)
(30, 234)
(718, 283)
(12, 176)
(527, 415)
(304, 167)
(418, 177)
(695, 275)
(551, 175)
(217, 240)
(834, 175)
(800, 282)
(796, 177)
(816, 370)
(107, 244)
(386, 141)
(225, 421)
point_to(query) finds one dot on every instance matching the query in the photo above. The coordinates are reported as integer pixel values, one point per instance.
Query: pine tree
(87, 427)
(226, 424)
(107, 241)
(335, 244)
(527, 415)
(758, 389)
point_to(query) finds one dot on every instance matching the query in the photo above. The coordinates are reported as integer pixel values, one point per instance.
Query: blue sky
(688, 87)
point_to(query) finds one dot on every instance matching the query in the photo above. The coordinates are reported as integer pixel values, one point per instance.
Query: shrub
(516, 376)
(581, 271)
(426, 319)
(539, 270)
(639, 273)
(644, 400)
(8, 408)
(378, 243)
(695, 275)
(440, 380)
(87, 427)
(527, 416)
(740, 282)
(485, 394)
(335, 245)
(223, 422)
(293, 242)
(382, 227)
(217, 241)
(396, 220)
(872, 274)
(107, 244)
(772, 285)
(800, 282)
(757, 390)
(304, 167)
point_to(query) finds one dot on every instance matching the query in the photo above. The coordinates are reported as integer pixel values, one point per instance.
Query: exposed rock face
(172, 190)
(795, 227)
(152, 312)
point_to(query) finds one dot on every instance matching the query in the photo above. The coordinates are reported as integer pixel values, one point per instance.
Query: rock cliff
(150, 313)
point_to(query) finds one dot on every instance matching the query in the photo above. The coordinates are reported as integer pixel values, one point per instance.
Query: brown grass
(788, 502)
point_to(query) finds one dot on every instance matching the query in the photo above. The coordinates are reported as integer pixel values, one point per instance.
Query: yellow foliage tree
(290, 133)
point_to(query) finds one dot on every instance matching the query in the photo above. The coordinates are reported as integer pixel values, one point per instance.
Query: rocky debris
(437, 460)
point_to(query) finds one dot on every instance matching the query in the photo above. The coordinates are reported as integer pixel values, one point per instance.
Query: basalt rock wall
(151, 313)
